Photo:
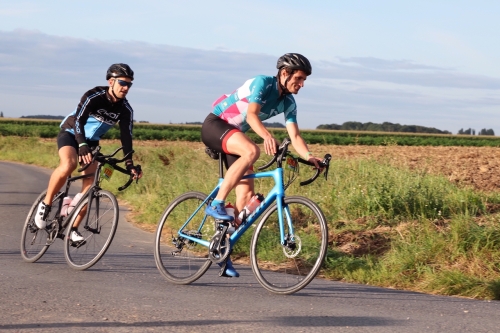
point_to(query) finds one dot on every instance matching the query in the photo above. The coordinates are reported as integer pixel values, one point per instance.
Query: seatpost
(221, 167)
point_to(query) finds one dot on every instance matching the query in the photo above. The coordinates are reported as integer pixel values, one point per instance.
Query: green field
(49, 129)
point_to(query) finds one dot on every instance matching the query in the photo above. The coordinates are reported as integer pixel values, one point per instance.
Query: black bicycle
(98, 209)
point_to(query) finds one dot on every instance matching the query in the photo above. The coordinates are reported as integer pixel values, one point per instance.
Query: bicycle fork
(97, 229)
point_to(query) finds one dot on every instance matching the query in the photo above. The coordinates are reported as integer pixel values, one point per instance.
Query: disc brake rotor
(292, 247)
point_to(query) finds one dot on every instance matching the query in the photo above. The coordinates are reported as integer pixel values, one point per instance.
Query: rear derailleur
(180, 242)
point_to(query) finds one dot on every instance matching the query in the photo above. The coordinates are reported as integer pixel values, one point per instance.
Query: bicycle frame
(277, 193)
(64, 194)
(94, 187)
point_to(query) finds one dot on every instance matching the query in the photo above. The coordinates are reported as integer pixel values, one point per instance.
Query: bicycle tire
(269, 259)
(102, 223)
(35, 242)
(192, 261)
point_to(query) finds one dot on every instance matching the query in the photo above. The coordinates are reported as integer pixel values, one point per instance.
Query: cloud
(383, 64)
(44, 74)
(404, 72)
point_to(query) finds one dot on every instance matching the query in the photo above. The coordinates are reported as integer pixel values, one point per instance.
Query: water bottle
(251, 206)
(73, 202)
(65, 206)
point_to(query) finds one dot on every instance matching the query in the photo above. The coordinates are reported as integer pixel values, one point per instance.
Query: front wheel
(287, 268)
(97, 227)
(179, 259)
(35, 242)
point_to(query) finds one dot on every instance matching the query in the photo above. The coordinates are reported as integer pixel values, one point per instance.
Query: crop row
(49, 129)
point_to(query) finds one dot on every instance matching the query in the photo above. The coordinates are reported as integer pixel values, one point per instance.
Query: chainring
(52, 230)
(219, 247)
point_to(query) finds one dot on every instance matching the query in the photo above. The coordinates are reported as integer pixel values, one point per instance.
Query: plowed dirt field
(478, 167)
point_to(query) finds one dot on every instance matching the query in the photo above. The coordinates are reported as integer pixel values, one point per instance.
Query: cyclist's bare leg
(238, 144)
(244, 191)
(86, 183)
(67, 163)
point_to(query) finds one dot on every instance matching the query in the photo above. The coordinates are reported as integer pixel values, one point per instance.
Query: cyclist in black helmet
(258, 99)
(99, 109)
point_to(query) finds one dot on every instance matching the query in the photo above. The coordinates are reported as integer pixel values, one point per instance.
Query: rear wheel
(35, 242)
(98, 227)
(285, 269)
(178, 259)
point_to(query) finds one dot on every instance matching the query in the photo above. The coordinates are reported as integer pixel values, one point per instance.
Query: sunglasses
(124, 83)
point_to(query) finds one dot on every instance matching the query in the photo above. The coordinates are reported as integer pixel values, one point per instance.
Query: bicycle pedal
(222, 225)
(32, 228)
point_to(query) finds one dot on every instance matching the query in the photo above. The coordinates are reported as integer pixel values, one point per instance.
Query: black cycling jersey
(96, 114)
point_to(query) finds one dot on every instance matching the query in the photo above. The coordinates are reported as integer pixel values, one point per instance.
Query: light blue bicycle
(288, 245)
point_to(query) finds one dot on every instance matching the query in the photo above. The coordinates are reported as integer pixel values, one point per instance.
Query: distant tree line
(44, 117)
(272, 125)
(384, 127)
(471, 131)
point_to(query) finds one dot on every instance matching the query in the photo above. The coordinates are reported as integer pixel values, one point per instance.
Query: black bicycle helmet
(294, 61)
(119, 70)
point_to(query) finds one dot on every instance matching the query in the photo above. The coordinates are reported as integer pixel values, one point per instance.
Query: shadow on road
(295, 321)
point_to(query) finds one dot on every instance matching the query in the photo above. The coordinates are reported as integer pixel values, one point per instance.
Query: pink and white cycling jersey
(262, 90)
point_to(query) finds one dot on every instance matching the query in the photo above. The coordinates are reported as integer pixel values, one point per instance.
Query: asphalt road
(124, 292)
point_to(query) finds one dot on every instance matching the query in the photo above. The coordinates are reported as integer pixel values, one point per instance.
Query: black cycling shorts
(65, 138)
(214, 133)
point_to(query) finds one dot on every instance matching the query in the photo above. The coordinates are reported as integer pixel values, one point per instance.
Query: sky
(427, 63)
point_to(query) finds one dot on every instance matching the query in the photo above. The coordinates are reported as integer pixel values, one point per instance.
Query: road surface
(124, 292)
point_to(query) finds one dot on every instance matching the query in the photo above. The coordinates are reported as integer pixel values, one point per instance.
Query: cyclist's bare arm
(299, 144)
(253, 120)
